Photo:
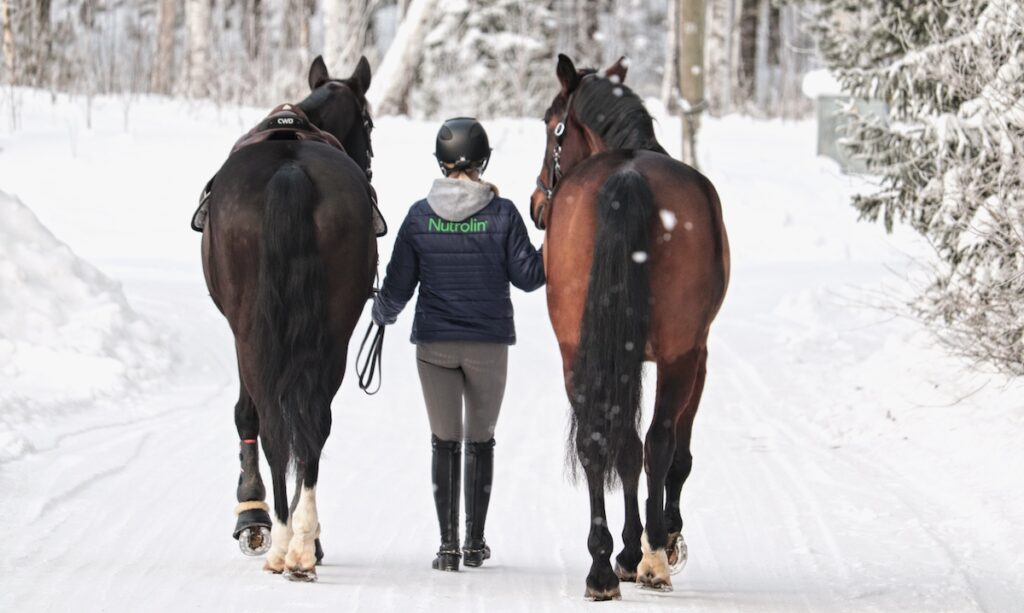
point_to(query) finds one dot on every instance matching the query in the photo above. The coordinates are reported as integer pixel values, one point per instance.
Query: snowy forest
(486, 58)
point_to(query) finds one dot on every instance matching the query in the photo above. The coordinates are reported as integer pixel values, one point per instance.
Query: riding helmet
(462, 144)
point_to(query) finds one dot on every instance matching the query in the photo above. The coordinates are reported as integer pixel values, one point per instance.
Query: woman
(463, 245)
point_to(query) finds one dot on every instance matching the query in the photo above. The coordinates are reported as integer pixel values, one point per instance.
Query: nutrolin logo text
(470, 225)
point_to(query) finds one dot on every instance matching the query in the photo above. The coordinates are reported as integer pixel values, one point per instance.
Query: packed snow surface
(842, 462)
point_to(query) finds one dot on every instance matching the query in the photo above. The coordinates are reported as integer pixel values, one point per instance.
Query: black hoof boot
(446, 560)
(251, 518)
(479, 477)
(447, 470)
(474, 554)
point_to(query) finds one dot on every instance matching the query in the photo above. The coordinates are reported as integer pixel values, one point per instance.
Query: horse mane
(616, 114)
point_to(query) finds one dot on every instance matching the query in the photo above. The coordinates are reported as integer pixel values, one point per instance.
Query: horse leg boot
(479, 476)
(252, 530)
(446, 467)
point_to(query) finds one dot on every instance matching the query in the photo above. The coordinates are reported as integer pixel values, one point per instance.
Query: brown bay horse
(649, 230)
(289, 255)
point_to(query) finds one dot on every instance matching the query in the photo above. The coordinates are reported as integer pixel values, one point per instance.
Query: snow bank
(67, 333)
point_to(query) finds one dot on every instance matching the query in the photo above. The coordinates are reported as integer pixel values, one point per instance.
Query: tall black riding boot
(479, 475)
(447, 466)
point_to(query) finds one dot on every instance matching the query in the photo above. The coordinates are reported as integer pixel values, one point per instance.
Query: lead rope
(372, 367)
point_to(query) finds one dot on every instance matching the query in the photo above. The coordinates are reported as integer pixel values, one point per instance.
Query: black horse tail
(607, 369)
(290, 328)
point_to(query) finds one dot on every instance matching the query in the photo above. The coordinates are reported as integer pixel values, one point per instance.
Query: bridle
(367, 131)
(367, 123)
(554, 168)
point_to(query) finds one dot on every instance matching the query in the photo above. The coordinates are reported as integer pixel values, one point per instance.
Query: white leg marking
(305, 526)
(280, 535)
(653, 570)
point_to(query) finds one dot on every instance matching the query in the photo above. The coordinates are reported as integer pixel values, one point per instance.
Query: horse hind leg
(602, 583)
(675, 385)
(281, 532)
(301, 558)
(680, 470)
(629, 466)
(252, 528)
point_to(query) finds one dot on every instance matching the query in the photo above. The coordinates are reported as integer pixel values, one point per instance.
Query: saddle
(285, 122)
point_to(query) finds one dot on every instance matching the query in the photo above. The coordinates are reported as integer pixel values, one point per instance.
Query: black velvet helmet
(462, 144)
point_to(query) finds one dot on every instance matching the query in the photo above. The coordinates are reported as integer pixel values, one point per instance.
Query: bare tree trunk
(397, 72)
(252, 28)
(721, 48)
(163, 66)
(691, 74)
(308, 8)
(41, 42)
(8, 42)
(587, 48)
(762, 79)
(197, 21)
(670, 75)
(346, 23)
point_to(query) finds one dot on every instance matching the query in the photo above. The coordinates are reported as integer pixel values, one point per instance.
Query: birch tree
(691, 74)
(389, 91)
(163, 63)
(197, 22)
(345, 32)
(8, 41)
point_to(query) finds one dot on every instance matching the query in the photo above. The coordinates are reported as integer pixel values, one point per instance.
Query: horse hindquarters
(605, 377)
(293, 372)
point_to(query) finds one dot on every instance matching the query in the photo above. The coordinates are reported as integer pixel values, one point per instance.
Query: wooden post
(691, 74)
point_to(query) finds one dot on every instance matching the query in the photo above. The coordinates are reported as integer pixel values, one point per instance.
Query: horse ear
(318, 73)
(361, 74)
(617, 71)
(567, 74)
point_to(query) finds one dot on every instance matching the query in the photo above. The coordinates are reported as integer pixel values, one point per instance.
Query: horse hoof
(652, 572)
(272, 569)
(628, 576)
(319, 551)
(254, 541)
(678, 553)
(656, 585)
(596, 595)
(302, 575)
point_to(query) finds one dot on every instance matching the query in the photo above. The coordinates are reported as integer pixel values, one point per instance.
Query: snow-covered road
(841, 462)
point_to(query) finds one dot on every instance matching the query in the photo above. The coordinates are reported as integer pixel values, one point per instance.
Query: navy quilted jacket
(463, 246)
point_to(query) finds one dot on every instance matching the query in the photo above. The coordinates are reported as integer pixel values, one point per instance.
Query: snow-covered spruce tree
(487, 58)
(951, 153)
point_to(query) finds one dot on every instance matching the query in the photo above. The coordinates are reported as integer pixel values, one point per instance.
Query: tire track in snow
(800, 436)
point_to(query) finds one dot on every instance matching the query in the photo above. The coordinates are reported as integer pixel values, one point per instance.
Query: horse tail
(290, 328)
(606, 376)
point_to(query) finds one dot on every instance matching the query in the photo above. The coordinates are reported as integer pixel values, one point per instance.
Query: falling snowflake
(668, 219)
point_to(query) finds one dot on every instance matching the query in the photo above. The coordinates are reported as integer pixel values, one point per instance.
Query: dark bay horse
(649, 231)
(289, 255)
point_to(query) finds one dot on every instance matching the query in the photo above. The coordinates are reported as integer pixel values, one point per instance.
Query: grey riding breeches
(451, 372)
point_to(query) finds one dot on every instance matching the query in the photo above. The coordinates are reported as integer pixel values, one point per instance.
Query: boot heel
(446, 561)
(475, 557)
